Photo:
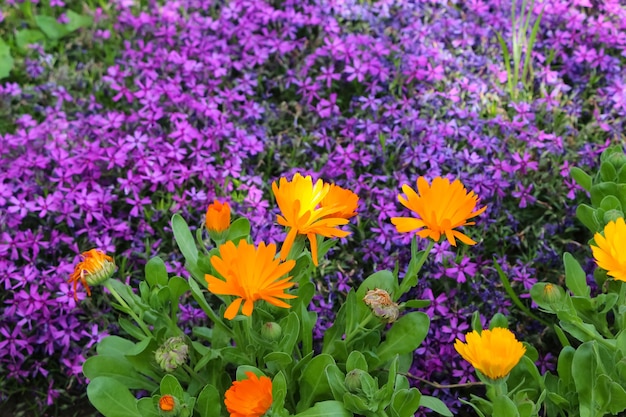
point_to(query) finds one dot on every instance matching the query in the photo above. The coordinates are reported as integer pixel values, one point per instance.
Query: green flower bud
(612, 215)
(617, 159)
(382, 305)
(552, 294)
(353, 380)
(271, 331)
(172, 354)
(169, 406)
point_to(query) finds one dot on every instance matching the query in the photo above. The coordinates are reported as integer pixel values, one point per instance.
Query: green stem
(361, 326)
(406, 283)
(128, 309)
(194, 374)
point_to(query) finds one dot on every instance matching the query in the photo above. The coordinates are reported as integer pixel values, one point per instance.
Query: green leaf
(184, 239)
(156, 272)
(326, 409)
(336, 381)
(6, 60)
(499, 320)
(313, 382)
(208, 403)
(178, 286)
(147, 408)
(607, 171)
(476, 324)
(416, 303)
(114, 346)
(586, 215)
(49, 25)
(584, 374)
(405, 402)
(291, 328)
(239, 229)
(504, 406)
(26, 37)
(77, 21)
(575, 277)
(118, 368)
(111, 398)
(405, 335)
(381, 279)
(356, 360)
(279, 392)
(171, 386)
(435, 404)
(599, 191)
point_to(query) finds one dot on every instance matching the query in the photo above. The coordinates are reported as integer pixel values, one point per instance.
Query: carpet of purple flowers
(162, 106)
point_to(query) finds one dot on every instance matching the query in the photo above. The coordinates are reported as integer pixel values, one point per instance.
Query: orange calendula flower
(312, 209)
(95, 268)
(167, 403)
(610, 249)
(217, 217)
(251, 397)
(250, 274)
(440, 208)
(492, 352)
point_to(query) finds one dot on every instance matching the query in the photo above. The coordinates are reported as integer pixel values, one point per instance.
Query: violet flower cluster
(211, 99)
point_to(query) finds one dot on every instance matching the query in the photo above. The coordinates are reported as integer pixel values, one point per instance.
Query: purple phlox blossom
(74, 365)
(65, 331)
(95, 334)
(462, 270)
(328, 108)
(524, 195)
(455, 330)
(437, 304)
(14, 343)
(523, 163)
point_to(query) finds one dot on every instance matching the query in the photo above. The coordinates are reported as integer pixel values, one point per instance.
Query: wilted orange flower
(95, 268)
(440, 208)
(217, 217)
(493, 352)
(312, 209)
(250, 274)
(251, 397)
(610, 249)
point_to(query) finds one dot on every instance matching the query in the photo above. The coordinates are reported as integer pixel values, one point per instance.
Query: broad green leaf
(171, 386)
(184, 239)
(575, 277)
(607, 171)
(239, 229)
(336, 381)
(26, 37)
(381, 279)
(111, 398)
(6, 60)
(585, 214)
(584, 374)
(279, 392)
(114, 346)
(405, 335)
(599, 191)
(209, 402)
(499, 320)
(49, 25)
(581, 177)
(504, 406)
(147, 407)
(326, 409)
(405, 402)
(435, 404)
(356, 360)
(77, 21)
(118, 368)
(313, 382)
(156, 272)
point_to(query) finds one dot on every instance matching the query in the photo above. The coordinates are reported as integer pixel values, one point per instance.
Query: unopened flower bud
(217, 220)
(617, 159)
(552, 293)
(382, 305)
(94, 269)
(353, 380)
(172, 354)
(168, 406)
(612, 215)
(271, 331)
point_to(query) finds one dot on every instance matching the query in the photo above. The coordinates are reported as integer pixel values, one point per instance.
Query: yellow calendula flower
(440, 208)
(312, 209)
(217, 217)
(250, 274)
(492, 352)
(95, 268)
(610, 249)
